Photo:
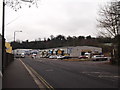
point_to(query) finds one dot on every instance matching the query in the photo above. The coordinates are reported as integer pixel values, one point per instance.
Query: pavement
(16, 76)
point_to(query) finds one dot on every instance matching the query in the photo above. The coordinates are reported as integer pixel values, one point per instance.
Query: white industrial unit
(76, 51)
(19, 51)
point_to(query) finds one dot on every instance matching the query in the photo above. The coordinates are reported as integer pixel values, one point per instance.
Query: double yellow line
(41, 82)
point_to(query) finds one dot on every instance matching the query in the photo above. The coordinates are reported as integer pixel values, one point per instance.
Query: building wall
(76, 51)
(19, 51)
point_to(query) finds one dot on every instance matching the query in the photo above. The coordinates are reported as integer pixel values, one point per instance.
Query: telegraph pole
(3, 39)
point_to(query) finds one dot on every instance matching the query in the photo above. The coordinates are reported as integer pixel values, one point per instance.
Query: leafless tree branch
(109, 18)
(17, 4)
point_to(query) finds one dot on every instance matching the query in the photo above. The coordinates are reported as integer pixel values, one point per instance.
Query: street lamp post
(14, 34)
(3, 40)
(14, 38)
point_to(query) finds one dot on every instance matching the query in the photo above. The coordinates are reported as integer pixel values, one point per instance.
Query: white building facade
(75, 51)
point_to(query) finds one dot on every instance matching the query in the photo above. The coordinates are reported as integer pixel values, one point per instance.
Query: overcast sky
(53, 17)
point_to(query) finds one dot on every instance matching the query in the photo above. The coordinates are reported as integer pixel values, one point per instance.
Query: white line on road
(41, 79)
(102, 75)
(91, 72)
(34, 77)
(37, 78)
(109, 76)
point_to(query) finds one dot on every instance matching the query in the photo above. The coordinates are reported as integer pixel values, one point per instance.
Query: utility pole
(3, 39)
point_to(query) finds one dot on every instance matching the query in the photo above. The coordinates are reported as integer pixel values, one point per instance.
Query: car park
(53, 57)
(22, 55)
(17, 55)
(98, 58)
(33, 55)
(63, 57)
(60, 57)
(67, 57)
(83, 57)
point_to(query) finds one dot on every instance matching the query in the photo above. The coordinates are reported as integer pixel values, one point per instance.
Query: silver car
(53, 57)
(99, 58)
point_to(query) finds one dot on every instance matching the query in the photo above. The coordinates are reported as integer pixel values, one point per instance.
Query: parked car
(46, 56)
(17, 55)
(53, 57)
(67, 57)
(99, 58)
(83, 57)
(22, 55)
(34, 55)
(62, 57)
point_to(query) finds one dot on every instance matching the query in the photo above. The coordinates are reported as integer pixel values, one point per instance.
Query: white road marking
(34, 77)
(101, 74)
(37, 78)
(43, 80)
(91, 72)
(109, 76)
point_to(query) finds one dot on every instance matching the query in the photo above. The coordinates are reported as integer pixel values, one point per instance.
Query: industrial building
(19, 51)
(72, 51)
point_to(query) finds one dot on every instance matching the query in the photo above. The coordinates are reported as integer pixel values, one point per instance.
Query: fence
(7, 59)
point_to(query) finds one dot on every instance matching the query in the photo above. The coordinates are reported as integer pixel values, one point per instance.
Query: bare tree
(18, 4)
(109, 19)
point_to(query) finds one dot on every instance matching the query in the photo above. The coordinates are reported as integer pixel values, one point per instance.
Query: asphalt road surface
(75, 74)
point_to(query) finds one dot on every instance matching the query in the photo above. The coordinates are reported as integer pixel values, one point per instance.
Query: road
(75, 74)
